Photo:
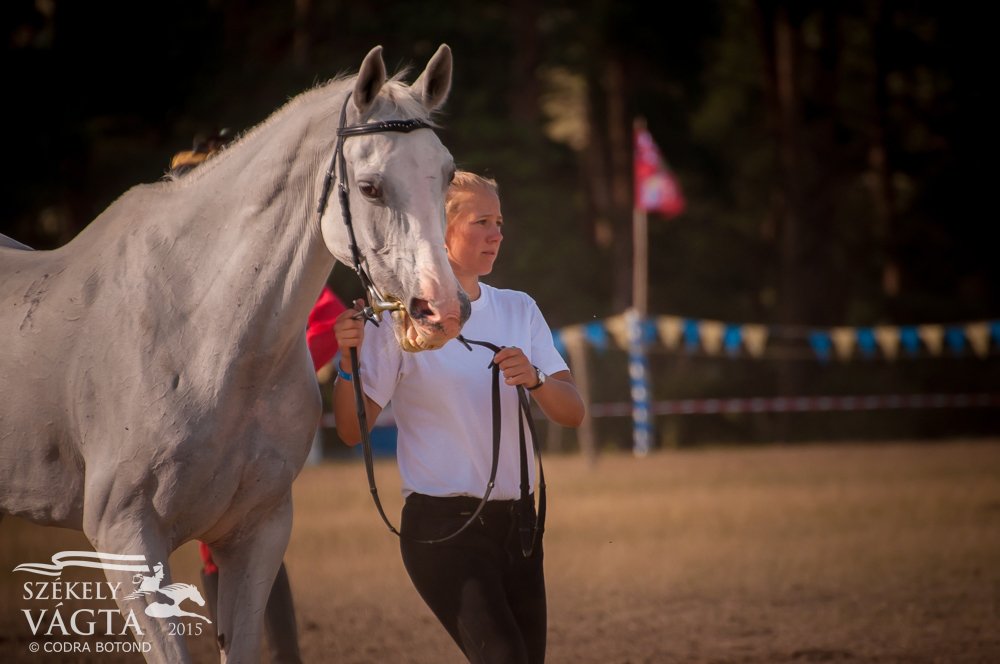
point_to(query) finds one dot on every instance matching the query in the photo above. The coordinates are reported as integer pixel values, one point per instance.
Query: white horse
(155, 385)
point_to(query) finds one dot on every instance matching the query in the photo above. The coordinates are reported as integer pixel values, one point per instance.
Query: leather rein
(530, 527)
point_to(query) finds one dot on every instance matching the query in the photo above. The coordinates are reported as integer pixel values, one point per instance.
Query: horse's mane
(395, 98)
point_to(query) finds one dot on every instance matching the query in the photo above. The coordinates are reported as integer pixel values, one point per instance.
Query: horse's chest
(270, 431)
(271, 414)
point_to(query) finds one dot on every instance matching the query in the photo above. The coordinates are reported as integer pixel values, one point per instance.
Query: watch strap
(541, 380)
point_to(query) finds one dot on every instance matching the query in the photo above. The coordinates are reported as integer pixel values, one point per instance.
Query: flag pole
(642, 423)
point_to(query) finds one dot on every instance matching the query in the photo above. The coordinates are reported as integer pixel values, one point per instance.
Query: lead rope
(529, 528)
(529, 533)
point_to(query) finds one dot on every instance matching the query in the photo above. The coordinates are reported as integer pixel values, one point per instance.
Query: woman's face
(474, 232)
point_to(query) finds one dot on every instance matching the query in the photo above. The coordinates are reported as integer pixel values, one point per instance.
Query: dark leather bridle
(377, 303)
(529, 527)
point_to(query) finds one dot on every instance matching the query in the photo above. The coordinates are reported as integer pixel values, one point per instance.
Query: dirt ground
(823, 553)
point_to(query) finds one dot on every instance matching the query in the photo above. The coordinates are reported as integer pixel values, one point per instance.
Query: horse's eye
(369, 190)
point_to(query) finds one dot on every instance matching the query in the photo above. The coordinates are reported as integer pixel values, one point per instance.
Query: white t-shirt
(442, 399)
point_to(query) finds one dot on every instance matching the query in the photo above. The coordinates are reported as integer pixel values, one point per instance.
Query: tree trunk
(595, 165)
(300, 35)
(619, 145)
(524, 89)
(778, 39)
(878, 156)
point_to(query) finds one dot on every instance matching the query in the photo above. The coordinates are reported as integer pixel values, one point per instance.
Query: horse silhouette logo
(146, 585)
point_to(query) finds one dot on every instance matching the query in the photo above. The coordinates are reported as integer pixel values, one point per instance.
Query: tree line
(833, 154)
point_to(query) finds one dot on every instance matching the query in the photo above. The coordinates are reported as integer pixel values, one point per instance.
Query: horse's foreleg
(124, 531)
(248, 564)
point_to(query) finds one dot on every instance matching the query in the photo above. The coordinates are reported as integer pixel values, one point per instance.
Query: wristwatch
(541, 380)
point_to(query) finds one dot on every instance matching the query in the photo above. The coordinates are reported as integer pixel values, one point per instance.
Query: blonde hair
(466, 181)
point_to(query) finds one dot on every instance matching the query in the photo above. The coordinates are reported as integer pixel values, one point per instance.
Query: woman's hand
(350, 331)
(349, 328)
(559, 399)
(516, 368)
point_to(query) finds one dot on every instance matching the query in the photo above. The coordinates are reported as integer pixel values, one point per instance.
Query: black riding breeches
(489, 597)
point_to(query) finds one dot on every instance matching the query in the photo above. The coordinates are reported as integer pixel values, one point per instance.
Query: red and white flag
(656, 188)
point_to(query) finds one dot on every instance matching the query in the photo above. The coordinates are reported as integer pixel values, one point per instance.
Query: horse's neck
(250, 231)
(272, 269)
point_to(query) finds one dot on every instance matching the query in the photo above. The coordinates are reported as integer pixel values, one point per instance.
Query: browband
(402, 126)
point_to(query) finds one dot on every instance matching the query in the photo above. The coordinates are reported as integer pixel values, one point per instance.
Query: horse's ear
(433, 85)
(371, 78)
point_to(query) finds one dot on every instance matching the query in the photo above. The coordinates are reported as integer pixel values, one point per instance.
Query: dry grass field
(823, 553)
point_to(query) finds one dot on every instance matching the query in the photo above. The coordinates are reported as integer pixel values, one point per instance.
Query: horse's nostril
(420, 309)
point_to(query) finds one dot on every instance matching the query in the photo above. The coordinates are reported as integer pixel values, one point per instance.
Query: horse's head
(396, 187)
(182, 591)
(195, 596)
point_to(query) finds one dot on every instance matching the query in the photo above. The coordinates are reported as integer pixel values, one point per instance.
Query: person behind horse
(279, 615)
(484, 591)
(203, 148)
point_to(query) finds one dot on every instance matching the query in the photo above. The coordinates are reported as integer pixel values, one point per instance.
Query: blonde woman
(486, 593)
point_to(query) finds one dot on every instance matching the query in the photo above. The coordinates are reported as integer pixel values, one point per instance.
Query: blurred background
(832, 156)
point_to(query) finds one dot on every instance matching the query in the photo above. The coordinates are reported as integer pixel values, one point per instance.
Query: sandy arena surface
(824, 553)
